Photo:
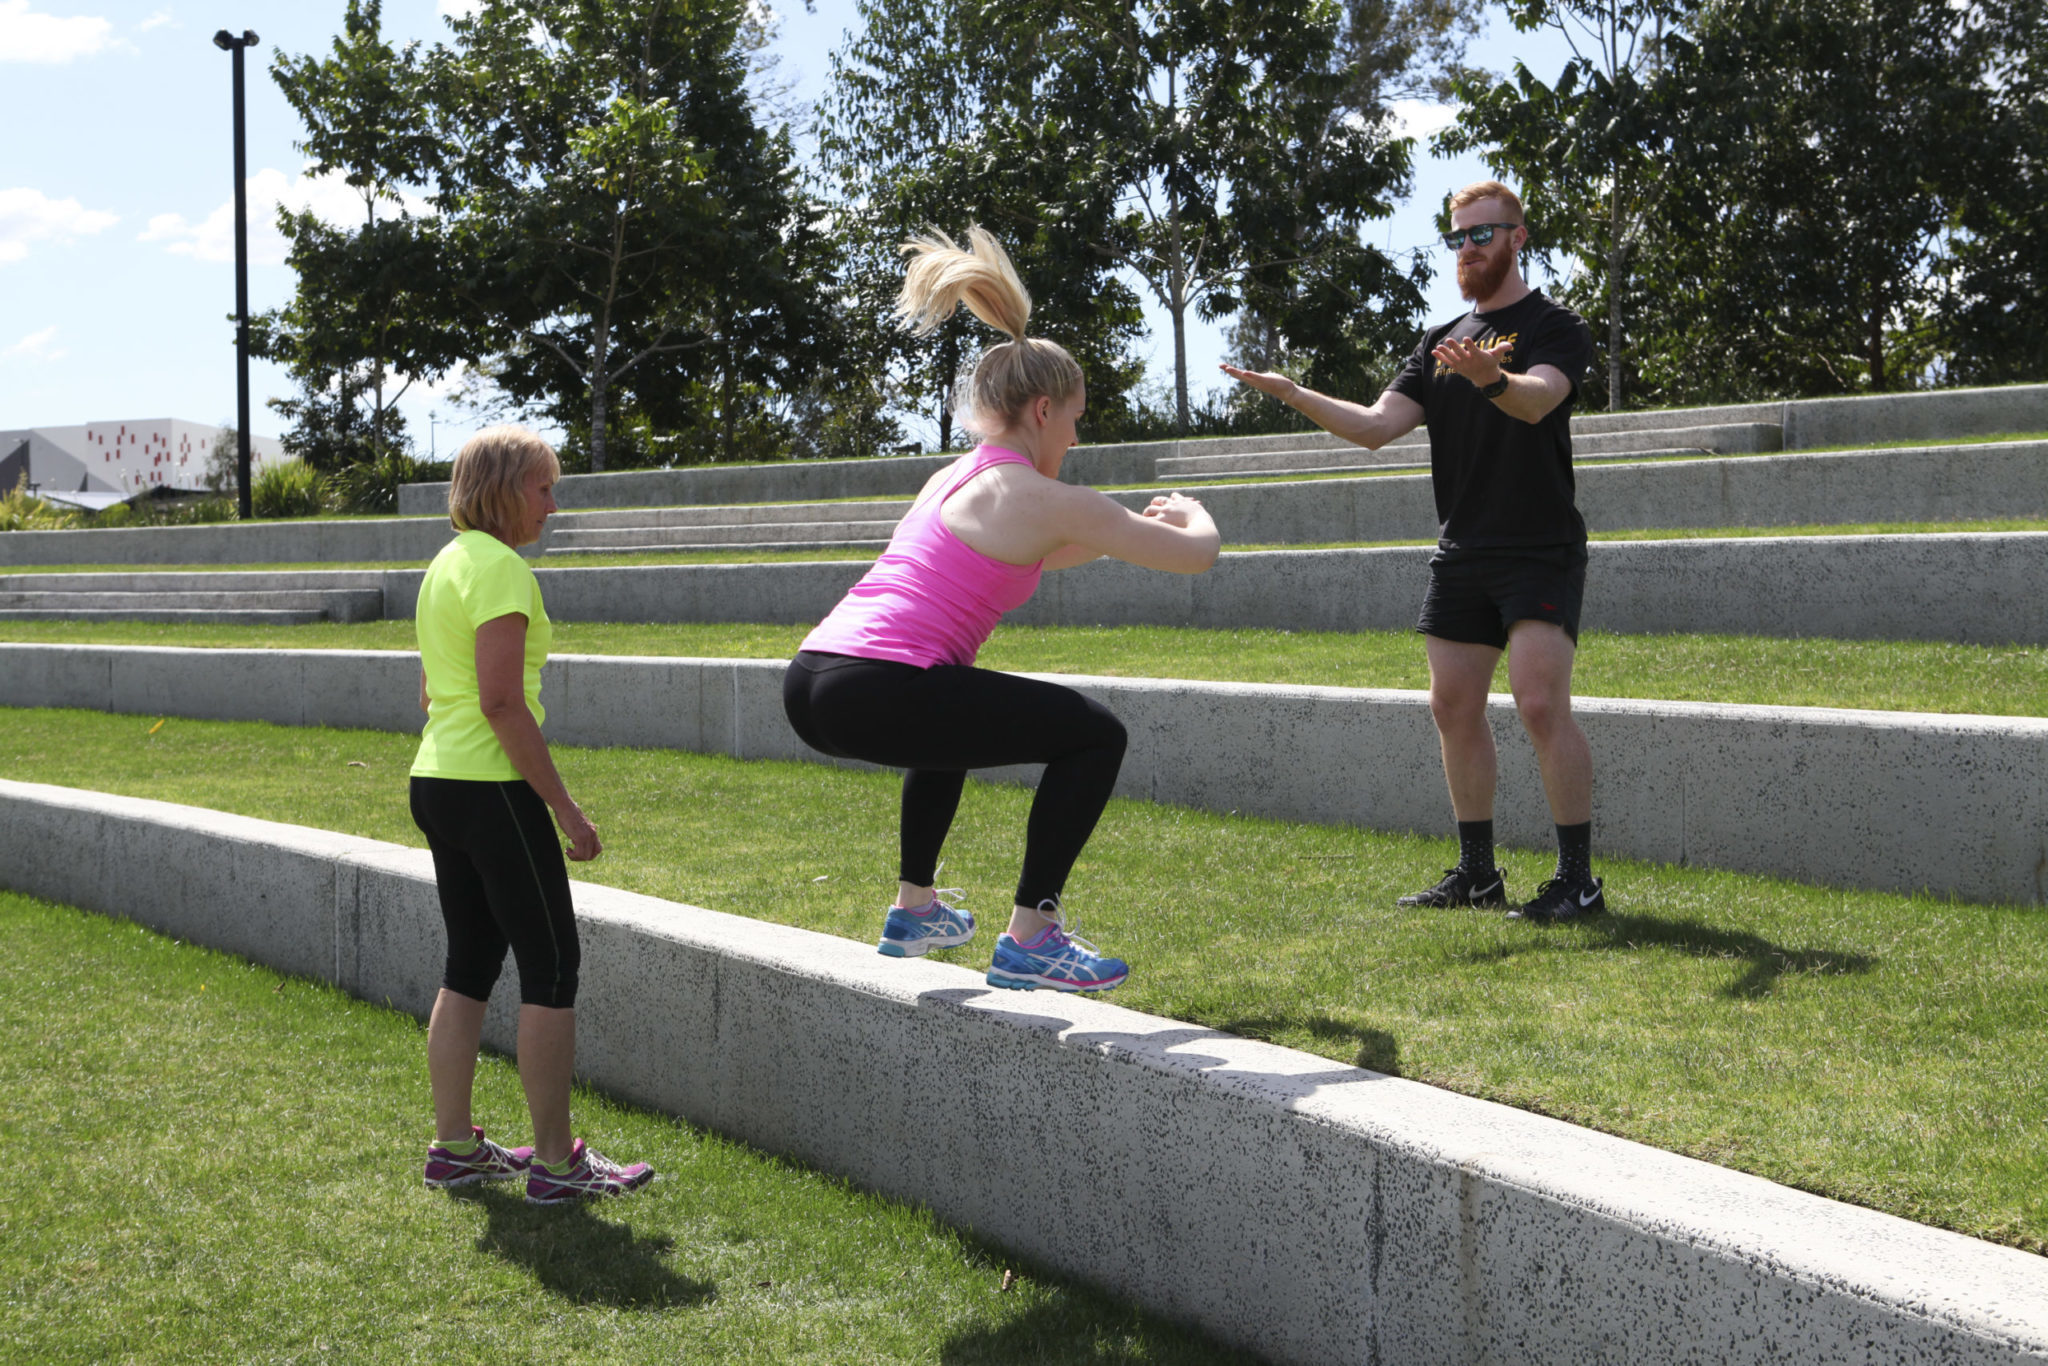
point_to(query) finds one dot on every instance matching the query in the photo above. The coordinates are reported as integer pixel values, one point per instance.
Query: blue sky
(116, 246)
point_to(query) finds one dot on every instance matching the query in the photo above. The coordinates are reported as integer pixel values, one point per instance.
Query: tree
(1213, 153)
(1826, 154)
(365, 112)
(606, 166)
(1993, 308)
(907, 136)
(1239, 161)
(1591, 149)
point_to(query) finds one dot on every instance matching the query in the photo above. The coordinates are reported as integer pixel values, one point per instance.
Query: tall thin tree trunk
(949, 370)
(1176, 270)
(1614, 250)
(1180, 357)
(600, 385)
(1879, 381)
(376, 361)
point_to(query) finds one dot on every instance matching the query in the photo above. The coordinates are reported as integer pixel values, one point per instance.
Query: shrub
(20, 512)
(289, 488)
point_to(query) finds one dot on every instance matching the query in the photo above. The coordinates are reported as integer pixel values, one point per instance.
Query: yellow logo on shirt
(1495, 344)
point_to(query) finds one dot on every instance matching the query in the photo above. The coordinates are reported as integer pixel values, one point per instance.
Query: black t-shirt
(1499, 481)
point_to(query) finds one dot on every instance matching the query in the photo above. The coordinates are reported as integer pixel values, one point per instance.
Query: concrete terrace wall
(1313, 1212)
(1932, 416)
(260, 542)
(1974, 587)
(1888, 800)
(2004, 479)
(1925, 484)
(880, 477)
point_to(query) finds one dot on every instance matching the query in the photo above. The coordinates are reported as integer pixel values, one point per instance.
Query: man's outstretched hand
(1279, 386)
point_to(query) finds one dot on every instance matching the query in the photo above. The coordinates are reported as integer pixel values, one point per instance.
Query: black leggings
(499, 867)
(939, 722)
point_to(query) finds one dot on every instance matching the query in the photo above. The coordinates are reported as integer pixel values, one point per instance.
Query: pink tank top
(931, 598)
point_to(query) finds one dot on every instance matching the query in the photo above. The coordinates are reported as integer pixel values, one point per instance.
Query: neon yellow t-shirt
(476, 578)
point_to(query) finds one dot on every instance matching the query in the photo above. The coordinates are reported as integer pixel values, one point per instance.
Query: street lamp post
(228, 42)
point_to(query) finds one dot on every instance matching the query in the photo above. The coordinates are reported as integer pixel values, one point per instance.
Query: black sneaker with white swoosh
(1557, 901)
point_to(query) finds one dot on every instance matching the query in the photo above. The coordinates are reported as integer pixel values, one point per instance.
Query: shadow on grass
(1768, 961)
(582, 1258)
(1080, 1328)
(1378, 1051)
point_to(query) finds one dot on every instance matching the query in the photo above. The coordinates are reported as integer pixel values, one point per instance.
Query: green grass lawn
(211, 1162)
(1884, 675)
(1878, 1048)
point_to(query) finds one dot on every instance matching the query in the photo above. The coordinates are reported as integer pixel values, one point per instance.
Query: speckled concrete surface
(1974, 586)
(1888, 800)
(1314, 1212)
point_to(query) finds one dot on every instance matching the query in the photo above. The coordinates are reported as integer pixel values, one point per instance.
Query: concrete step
(1409, 464)
(179, 616)
(1746, 438)
(1906, 484)
(88, 600)
(636, 537)
(889, 510)
(674, 546)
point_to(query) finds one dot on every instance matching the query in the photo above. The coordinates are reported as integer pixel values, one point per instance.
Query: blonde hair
(1488, 189)
(484, 487)
(942, 275)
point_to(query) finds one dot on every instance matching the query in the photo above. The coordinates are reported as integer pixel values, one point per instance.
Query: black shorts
(1475, 596)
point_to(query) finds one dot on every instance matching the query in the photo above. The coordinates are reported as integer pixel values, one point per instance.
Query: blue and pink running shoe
(485, 1162)
(909, 934)
(1054, 961)
(591, 1176)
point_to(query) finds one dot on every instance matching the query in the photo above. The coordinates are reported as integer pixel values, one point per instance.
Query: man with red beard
(1496, 388)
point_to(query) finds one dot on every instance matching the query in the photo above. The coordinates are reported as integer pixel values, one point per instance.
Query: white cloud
(1419, 118)
(212, 238)
(26, 36)
(157, 20)
(30, 215)
(35, 346)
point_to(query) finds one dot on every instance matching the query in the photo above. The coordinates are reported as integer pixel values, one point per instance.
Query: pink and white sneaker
(591, 1176)
(486, 1162)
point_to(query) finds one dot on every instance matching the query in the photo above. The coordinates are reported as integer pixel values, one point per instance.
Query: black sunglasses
(1481, 234)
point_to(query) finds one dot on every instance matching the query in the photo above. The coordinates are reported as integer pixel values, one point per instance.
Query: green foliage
(642, 232)
(372, 302)
(287, 488)
(1758, 199)
(19, 511)
(165, 512)
(1217, 154)
(1593, 153)
(1993, 309)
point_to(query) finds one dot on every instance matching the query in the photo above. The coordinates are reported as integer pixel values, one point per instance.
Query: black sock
(1575, 852)
(1475, 847)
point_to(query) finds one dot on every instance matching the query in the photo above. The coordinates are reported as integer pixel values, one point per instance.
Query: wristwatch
(1495, 389)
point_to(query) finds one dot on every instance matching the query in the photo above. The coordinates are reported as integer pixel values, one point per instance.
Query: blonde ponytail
(942, 276)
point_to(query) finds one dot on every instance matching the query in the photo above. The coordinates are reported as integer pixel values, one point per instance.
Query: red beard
(1480, 279)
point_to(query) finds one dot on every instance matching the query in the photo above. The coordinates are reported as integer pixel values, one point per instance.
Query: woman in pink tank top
(889, 676)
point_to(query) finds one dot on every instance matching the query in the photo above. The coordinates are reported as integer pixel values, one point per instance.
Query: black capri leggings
(939, 722)
(499, 867)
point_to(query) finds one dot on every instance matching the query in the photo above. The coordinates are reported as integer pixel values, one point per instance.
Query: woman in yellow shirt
(483, 786)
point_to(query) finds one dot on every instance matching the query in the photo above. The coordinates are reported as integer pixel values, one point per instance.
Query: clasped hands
(1170, 508)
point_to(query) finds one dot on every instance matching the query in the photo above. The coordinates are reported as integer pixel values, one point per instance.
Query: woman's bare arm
(501, 693)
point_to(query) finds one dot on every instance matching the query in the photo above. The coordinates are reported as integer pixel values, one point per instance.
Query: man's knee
(1544, 713)
(1456, 706)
